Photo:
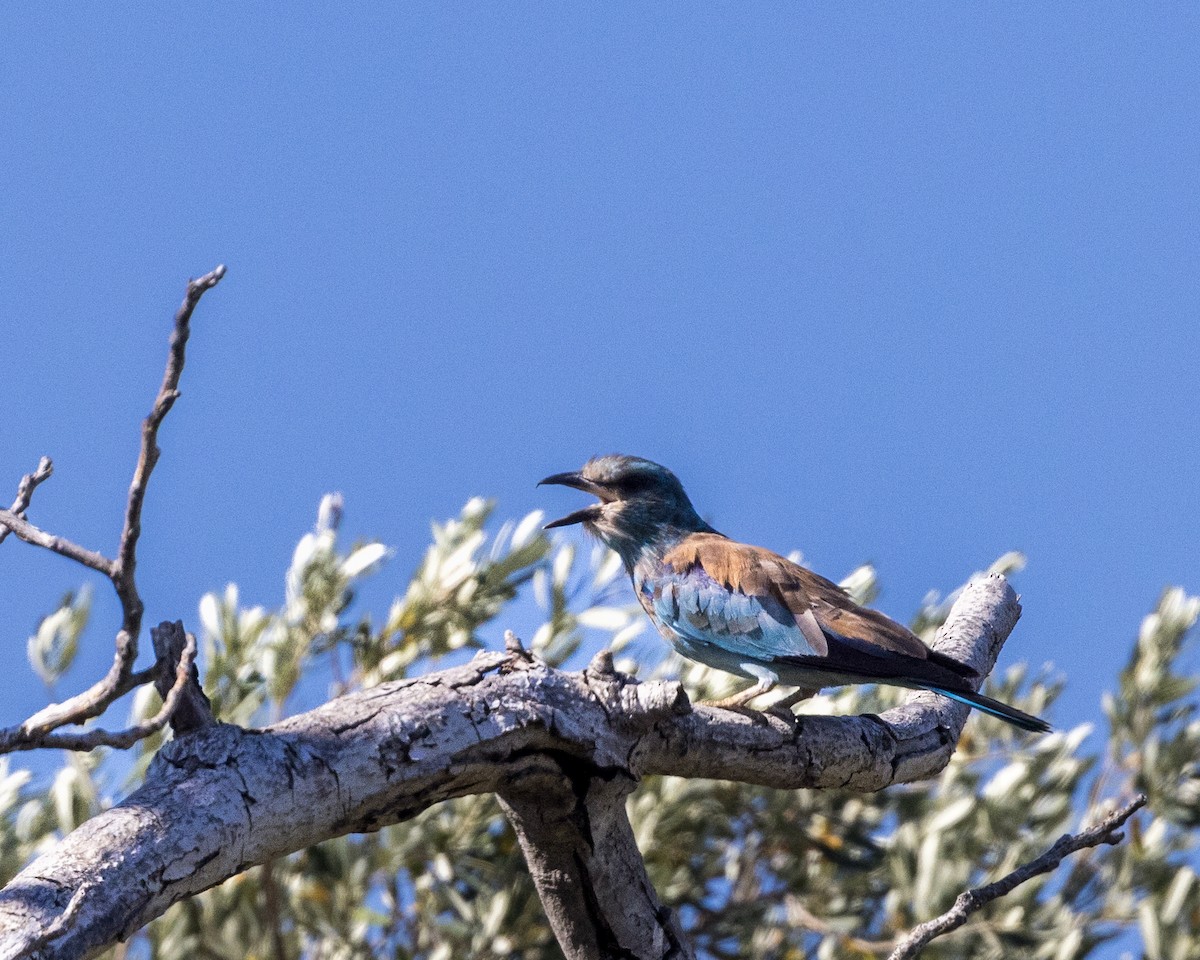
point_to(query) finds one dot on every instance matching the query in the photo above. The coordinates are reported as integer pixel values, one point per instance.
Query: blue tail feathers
(995, 708)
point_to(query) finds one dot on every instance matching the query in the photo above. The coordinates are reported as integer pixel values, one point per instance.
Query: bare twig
(64, 548)
(25, 489)
(123, 739)
(126, 560)
(120, 678)
(1106, 831)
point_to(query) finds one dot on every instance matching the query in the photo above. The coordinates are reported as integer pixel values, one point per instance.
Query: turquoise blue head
(641, 504)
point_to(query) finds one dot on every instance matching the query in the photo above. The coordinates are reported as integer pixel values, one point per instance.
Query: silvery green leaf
(363, 560)
(604, 618)
(528, 529)
(607, 566)
(564, 559)
(53, 647)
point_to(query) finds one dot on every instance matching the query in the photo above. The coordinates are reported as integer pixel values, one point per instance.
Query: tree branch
(1106, 831)
(126, 560)
(25, 489)
(224, 799)
(184, 704)
(48, 541)
(178, 681)
(120, 678)
(571, 822)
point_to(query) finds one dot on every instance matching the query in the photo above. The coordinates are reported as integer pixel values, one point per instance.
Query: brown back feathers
(814, 601)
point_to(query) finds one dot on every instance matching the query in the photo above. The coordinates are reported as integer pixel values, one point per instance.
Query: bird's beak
(579, 482)
(576, 480)
(579, 516)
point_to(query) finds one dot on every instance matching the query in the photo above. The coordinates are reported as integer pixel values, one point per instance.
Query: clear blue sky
(908, 285)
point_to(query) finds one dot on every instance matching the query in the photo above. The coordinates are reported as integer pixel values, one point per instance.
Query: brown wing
(812, 600)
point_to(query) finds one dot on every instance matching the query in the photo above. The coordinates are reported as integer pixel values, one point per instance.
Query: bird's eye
(634, 483)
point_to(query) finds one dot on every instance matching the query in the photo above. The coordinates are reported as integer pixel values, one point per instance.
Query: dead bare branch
(48, 541)
(561, 750)
(181, 679)
(126, 560)
(25, 489)
(1106, 831)
(120, 678)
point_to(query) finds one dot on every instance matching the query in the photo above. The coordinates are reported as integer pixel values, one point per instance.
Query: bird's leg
(784, 706)
(794, 698)
(766, 683)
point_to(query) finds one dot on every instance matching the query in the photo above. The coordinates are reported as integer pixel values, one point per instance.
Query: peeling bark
(561, 749)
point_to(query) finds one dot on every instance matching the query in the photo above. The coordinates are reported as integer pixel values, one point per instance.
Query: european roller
(746, 610)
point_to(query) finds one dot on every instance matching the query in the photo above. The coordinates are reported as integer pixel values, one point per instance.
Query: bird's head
(641, 503)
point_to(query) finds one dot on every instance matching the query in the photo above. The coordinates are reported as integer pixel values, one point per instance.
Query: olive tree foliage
(749, 871)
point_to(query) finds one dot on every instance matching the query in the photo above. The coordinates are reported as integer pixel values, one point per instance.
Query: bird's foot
(742, 698)
(784, 707)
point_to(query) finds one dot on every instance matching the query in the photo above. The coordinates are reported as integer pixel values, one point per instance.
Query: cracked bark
(562, 750)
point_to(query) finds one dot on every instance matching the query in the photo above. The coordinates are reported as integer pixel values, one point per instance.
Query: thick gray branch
(222, 799)
(571, 822)
(590, 876)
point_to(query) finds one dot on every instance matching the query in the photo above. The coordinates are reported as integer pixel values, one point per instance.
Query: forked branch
(561, 750)
(572, 825)
(38, 730)
(25, 489)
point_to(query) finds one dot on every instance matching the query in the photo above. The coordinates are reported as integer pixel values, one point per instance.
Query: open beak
(579, 482)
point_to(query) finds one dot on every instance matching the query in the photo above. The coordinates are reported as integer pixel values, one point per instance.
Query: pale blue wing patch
(705, 613)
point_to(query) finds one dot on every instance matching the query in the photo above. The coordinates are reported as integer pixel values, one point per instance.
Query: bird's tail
(1018, 718)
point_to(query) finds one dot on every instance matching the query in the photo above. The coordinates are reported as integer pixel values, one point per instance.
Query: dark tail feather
(941, 674)
(1017, 718)
(954, 666)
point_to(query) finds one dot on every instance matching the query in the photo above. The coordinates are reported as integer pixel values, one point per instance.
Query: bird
(746, 610)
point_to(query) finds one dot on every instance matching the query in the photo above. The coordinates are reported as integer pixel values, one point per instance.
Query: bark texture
(571, 822)
(561, 749)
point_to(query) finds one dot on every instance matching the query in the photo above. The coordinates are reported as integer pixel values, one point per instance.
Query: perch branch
(224, 799)
(1106, 831)
(120, 678)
